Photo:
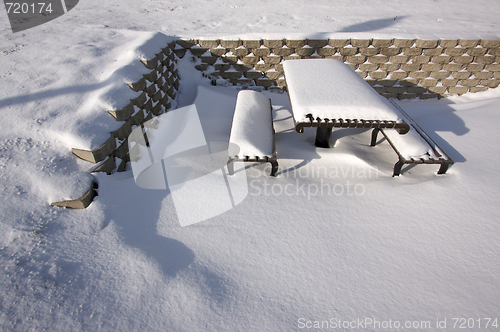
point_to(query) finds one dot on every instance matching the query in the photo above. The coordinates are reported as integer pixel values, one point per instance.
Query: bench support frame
(273, 161)
(444, 162)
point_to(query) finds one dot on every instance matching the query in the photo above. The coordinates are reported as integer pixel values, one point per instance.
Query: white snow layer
(328, 88)
(334, 236)
(252, 128)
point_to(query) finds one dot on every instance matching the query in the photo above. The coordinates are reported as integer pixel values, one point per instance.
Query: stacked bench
(252, 131)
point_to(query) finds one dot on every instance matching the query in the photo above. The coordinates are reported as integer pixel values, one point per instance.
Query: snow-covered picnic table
(327, 93)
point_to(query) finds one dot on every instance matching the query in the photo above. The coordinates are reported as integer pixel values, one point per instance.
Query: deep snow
(333, 236)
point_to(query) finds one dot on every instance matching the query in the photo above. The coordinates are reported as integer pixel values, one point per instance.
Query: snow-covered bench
(252, 132)
(415, 147)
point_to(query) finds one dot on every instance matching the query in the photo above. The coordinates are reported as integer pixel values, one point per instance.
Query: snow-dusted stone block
(107, 166)
(252, 132)
(390, 51)
(252, 43)
(295, 43)
(390, 67)
(477, 51)
(382, 42)
(463, 59)
(454, 51)
(348, 50)
(98, 154)
(368, 66)
(360, 42)
(208, 43)
(250, 59)
(441, 90)
(317, 43)
(186, 43)
(433, 51)
(79, 203)
(378, 74)
(441, 59)
(491, 83)
(432, 66)
(407, 43)
(490, 43)
(305, 51)
(272, 59)
(326, 51)
(419, 74)
(442, 74)
(240, 51)
(231, 43)
(469, 82)
(123, 113)
(412, 51)
(468, 42)
(426, 43)
(428, 82)
(453, 66)
(398, 75)
(458, 90)
(378, 59)
(486, 59)
(338, 42)
(358, 58)
(478, 89)
(270, 43)
(262, 51)
(265, 82)
(197, 50)
(150, 64)
(283, 51)
(218, 50)
(448, 42)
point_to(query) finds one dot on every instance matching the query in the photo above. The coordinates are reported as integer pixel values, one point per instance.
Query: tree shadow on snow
(136, 212)
(372, 25)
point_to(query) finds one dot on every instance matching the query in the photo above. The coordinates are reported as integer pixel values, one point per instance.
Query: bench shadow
(440, 118)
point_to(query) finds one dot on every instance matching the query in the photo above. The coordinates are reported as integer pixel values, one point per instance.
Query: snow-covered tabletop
(330, 89)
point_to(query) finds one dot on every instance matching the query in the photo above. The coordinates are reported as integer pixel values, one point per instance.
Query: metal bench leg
(274, 167)
(397, 168)
(230, 166)
(443, 168)
(374, 136)
(323, 135)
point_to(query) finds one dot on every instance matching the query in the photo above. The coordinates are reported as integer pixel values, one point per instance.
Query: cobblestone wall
(157, 92)
(396, 68)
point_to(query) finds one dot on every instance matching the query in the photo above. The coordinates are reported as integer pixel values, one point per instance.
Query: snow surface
(252, 128)
(328, 88)
(333, 236)
(411, 145)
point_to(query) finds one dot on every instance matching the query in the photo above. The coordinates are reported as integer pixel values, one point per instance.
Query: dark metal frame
(444, 160)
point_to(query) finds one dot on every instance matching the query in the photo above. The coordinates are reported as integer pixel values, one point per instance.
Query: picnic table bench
(252, 131)
(415, 147)
(327, 94)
